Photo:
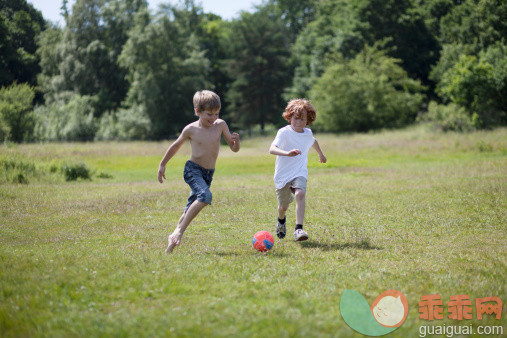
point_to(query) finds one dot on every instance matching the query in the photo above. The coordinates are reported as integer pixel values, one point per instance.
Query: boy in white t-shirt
(291, 145)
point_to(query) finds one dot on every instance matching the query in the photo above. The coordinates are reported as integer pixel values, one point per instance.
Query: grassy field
(411, 210)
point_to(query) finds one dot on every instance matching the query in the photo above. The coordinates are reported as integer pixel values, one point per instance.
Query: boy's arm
(322, 158)
(171, 151)
(274, 150)
(231, 139)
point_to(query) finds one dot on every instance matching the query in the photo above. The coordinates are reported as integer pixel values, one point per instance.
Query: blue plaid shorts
(199, 179)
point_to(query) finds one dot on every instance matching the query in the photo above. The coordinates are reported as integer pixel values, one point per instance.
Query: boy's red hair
(296, 107)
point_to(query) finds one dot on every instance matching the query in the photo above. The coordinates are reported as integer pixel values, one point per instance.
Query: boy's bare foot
(173, 241)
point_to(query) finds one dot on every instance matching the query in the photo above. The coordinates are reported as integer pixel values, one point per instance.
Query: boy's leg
(281, 230)
(284, 198)
(300, 234)
(300, 206)
(282, 209)
(200, 197)
(182, 216)
(186, 218)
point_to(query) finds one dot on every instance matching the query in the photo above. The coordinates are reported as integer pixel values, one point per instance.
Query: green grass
(410, 210)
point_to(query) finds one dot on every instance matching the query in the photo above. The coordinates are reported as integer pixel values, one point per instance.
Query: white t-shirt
(286, 167)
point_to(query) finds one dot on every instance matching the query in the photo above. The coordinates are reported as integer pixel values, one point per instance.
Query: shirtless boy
(204, 135)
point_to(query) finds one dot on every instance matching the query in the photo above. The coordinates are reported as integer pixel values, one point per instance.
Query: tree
(401, 25)
(480, 23)
(469, 28)
(345, 26)
(20, 23)
(368, 92)
(479, 84)
(87, 54)
(258, 65)
(472, 71)
(433, 11)
(213, 40)
(50, 56)
(166, 67)
(296, 14)
(334, 30)
(16, 111)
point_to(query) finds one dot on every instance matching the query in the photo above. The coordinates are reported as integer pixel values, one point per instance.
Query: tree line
(117, 70)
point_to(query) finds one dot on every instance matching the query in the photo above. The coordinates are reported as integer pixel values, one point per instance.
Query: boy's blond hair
(296, 108)
(206, 100)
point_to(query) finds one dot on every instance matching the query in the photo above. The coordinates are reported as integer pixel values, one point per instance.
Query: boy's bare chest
(206, 138)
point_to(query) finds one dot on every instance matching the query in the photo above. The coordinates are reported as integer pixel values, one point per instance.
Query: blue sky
(227, 9)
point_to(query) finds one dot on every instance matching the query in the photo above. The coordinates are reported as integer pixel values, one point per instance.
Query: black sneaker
(280, 230)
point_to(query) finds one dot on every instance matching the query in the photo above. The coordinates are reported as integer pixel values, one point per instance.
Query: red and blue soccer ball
(263, 241)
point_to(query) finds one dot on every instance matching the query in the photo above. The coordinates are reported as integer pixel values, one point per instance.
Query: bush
(126, 124)
(479, 84)
(16, 171)
(19, 178)
(72, 172)
(449, 56)
(104, 175)
(108, 128)
(16, 118)
(4, 130)
(133, 124)
(450, 117)
(68, 118)
(369, 92)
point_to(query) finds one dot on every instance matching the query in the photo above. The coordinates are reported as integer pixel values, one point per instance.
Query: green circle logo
(386, 314)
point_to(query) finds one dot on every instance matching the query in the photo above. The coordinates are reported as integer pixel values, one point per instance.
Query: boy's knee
(208, 196)
(283, 207)
(205, 197)
(300, 194)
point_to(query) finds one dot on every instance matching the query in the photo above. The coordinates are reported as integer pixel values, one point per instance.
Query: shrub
(19, 178)
(68, 118)
(450, 117)
(484, 147)
(81, 125)
(72, 172)
(12, 164)
(369, 92)
(126, 124)
(104, 175)
(108, 128)
(479, 83)
(16, 171)
(4, 130)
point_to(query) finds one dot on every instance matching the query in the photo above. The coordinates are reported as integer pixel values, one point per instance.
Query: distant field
(412, 210)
